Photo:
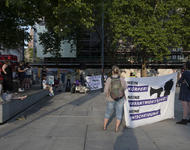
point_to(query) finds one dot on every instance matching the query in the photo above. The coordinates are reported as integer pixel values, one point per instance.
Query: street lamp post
(34, 44)
(102, 46)
(23, 47)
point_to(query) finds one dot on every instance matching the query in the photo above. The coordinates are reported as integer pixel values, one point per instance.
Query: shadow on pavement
(84, 99)
(126, 141)
(46, 101)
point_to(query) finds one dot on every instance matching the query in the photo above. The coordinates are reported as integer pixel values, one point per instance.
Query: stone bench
(13, 107)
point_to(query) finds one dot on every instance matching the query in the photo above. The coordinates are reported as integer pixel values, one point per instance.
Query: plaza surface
(74, 122)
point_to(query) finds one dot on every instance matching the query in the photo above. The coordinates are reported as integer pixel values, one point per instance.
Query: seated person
(45, 86)
(6, 97)
(58, 84)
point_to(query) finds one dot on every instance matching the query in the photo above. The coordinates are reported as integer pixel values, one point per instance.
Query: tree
(184, 11)
(51, 43)
(15, 17)
(152, 27)
(64, 20)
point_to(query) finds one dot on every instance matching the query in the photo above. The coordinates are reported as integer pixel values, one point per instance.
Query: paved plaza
(74, 122)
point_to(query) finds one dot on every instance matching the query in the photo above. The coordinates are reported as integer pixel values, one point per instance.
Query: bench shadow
(44, 102)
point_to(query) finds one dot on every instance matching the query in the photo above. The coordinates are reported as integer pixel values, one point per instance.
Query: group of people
(23, 73)
(114, 92)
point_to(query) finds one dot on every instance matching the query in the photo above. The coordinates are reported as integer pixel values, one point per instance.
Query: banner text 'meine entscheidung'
(145, 115)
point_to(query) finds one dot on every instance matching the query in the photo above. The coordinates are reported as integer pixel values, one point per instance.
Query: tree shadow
(84, 98)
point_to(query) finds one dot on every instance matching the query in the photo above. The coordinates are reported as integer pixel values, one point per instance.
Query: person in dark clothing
(184, 94)
(21, 75)
(28, 76)
(68, 85)
(7, 77)
(43, 74)
(82, 80)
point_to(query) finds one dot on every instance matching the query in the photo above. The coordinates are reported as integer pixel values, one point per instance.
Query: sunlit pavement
(74, 122)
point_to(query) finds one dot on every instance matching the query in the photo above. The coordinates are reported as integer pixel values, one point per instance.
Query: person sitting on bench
(45, 86)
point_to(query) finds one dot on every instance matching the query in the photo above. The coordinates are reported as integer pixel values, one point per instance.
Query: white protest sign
(94, 82)
(149, 99)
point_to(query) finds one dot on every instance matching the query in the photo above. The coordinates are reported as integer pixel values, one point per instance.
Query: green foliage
(51, 43)
(66, 17)
(185, 29)
(65, 20)
(151, 26)
(15, 16)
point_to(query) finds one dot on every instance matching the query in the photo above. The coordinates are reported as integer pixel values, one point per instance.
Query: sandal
(104, 128)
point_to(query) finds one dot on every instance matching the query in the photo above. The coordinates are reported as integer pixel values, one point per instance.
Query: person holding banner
(114, 92)
(184, 94)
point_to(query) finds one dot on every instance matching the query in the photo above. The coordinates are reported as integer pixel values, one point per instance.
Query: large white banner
(149, 99)
(94, 82)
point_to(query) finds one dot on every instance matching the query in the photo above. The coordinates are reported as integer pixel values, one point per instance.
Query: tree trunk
(144, 70)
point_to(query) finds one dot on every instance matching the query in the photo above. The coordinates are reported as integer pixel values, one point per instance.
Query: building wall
(28, 56)
(68, 49)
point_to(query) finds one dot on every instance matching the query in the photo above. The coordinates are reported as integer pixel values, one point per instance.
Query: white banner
(94, 82)
(149, 99)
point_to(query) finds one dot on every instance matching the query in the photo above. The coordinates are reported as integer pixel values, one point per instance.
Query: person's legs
(9, 85)
(186, 110)
(109, 110)
(117, 125)
(119, 113)
(5, 85)
(105, 123)
(25, 82)
(188, 106)
(50, 88)
(21, 84)
(30, 81)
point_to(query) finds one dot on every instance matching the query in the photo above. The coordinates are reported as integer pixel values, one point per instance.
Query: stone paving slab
(74, 122)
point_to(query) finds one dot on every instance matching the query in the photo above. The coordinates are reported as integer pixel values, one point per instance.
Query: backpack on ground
(116, 90)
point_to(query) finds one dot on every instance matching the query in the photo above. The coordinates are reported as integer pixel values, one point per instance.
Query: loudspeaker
(158, 91)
